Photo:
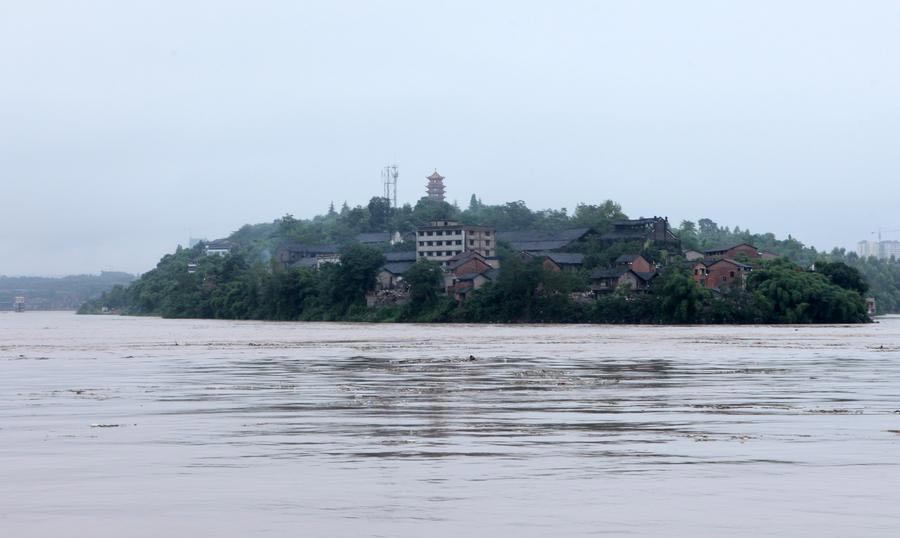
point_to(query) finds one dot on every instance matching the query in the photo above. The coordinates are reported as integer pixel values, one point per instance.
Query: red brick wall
(641, 265)
(723, 274)
(699, 273)
(471, 266)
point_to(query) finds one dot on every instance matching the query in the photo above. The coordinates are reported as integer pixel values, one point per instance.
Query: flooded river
(116, 426)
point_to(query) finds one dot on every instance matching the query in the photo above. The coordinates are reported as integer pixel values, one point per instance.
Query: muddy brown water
(118, 426)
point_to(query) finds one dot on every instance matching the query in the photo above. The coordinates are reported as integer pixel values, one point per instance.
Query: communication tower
(389, 175)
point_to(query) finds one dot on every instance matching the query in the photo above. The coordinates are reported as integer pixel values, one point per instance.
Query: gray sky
(125, 126)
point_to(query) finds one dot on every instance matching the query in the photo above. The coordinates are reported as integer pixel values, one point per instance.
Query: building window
(421, 234)
(487, 252)
(471, 242)
(732, 274)
(487, 234)
(487, 243)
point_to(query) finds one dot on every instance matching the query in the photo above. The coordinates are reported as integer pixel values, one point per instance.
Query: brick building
(733, 252)
(722, 272)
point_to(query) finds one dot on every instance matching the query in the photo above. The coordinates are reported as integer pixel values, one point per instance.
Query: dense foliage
(247, 285)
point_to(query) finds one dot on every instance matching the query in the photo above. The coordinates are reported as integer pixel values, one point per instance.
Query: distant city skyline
(125, 128)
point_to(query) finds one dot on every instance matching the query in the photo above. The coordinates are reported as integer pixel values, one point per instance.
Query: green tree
(682, 299)
(379, 213)
(424, 279)
(354, 276)
(841, 274)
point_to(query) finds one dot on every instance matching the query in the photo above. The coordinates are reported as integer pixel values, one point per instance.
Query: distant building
(715, 273)
(217, 248)
(868, 249)
(693, 255)
(632, 271)
(655, 229)
(435, 187)
(541, 242)
(442, 240)
(608, 280)
(391, 274)
(890, 249)
(462, 285)
(562, 261)
(733, 252)
(878, 249)
(373, 238)
(635, 262)
(19, 304)
(303, 255)
(871, 308)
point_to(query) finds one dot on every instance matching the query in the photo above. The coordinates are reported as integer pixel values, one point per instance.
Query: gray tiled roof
(398, 268)
(646, 276)
(538, 240)
(607, 273)
(305, 262)
(565, 258)
(371, 238)
(309, 249)
(723, 248)
(627, 258)
(405, 256)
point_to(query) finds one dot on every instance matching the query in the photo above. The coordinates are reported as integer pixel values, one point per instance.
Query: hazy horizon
(127, 128)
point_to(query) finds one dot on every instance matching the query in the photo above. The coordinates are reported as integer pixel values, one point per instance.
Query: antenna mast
(389, 175)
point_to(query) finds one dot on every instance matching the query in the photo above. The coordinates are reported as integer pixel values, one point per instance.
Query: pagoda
(436, 186)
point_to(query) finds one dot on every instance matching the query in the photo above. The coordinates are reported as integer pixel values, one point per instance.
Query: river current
(121, 426)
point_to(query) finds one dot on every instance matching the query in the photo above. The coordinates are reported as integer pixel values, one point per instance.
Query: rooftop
(540, 240)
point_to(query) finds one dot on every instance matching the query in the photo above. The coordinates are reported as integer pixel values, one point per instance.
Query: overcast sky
(127, 126)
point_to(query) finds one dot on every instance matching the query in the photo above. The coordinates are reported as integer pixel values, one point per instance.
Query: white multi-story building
(866, 249)
(444, 239)
(878, 249)
(890, 248)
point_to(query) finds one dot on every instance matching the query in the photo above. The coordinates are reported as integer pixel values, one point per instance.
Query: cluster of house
(725, 266)
(468, 256)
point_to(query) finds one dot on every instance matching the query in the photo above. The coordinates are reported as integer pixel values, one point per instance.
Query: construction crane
(880, 231)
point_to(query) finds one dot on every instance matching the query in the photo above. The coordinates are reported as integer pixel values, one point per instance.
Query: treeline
(341, 226)
(233, 287)
(883, 276)
(63, 293)
(245, 284)
(707, 234)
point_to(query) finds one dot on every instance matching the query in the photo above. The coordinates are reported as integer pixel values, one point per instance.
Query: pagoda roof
(435, 176)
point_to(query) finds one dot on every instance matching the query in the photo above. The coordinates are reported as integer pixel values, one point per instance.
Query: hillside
(65, 293)
(249, 283)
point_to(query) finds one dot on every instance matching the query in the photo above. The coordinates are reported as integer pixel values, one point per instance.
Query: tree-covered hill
(65, 293)
(247, 284)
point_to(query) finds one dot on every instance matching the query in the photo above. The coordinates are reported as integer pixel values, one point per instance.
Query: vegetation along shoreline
(434, 262)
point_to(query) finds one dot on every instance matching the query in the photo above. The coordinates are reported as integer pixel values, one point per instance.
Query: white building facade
(441, 240)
